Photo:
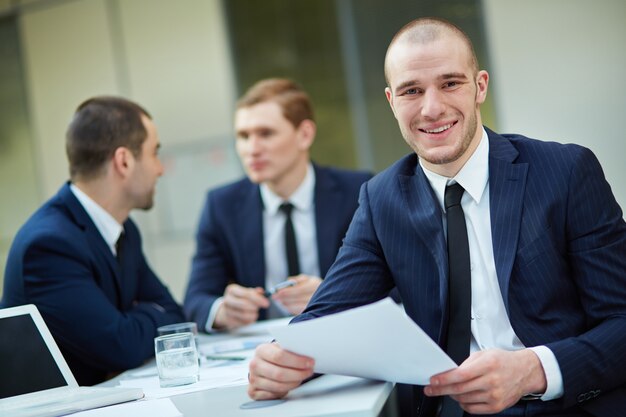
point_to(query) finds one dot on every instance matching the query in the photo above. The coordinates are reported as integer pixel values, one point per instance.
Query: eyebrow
(447, 76)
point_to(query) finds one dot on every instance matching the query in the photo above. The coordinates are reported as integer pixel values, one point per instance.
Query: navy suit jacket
(559, 243)
(230, 235)
(103, 315)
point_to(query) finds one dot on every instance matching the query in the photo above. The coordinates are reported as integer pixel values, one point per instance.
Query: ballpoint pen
(278, 287)
(224, 358)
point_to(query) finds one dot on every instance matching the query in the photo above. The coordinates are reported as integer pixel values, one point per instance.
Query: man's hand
(295, 298)
(274, 372)
(240, 306)
(490, 381)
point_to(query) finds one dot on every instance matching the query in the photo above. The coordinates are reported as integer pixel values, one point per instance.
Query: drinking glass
(177, 359)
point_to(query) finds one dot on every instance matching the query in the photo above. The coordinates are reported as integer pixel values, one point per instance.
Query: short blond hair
(292, 99)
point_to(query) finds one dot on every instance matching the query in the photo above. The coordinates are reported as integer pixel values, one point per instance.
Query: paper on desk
(152, 408)
(261, 327)
(211, 377)
(377, 341)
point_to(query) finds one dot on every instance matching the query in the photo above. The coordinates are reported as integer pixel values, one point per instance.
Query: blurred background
(556, 66)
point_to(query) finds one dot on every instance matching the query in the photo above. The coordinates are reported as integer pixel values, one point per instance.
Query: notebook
(35, 380)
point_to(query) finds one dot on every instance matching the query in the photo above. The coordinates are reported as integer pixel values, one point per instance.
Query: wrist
(535, 383)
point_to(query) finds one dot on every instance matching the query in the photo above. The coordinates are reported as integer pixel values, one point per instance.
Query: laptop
(35, 380)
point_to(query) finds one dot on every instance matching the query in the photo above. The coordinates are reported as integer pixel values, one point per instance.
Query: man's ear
(482, 84)
(306, 133)
(122, 161)
(389, 96)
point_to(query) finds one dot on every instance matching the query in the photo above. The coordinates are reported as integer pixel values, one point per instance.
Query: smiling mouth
(439, 129)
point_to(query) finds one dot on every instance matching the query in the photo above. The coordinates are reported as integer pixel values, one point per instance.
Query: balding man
(508, 251)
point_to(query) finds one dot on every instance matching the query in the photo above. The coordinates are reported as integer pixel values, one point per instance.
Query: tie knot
(453, 195)
(286, 208)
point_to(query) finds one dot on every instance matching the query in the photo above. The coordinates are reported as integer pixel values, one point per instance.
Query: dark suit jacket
(102, 316)
(559, 243)
(230, 236)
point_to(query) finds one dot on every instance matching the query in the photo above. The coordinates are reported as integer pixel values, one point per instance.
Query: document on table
(377, 341)
(152, 408)
(211, 377)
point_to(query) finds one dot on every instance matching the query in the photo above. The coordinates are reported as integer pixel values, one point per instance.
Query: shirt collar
(473, 176)
(108, 227)
(302, 197)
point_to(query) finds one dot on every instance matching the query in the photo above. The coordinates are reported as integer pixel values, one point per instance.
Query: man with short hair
(242, 248)
(79, 258)
(530, 298)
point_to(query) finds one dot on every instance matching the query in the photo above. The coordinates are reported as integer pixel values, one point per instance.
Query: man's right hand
(240, 306)
(274, 372)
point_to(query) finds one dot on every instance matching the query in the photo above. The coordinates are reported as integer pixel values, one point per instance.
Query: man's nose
(432, 104)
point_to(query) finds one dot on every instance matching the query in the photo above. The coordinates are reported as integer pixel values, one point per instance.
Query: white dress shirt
(109, 228)
(303, 219)
(490, 325)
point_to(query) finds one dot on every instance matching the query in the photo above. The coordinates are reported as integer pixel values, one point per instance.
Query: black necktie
(119, 245)
(293, 266)
(459, 288)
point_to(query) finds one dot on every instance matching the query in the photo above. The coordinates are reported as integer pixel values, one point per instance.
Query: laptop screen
(26, 363)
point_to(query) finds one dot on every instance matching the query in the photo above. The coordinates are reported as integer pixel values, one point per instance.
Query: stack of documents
(377, 341)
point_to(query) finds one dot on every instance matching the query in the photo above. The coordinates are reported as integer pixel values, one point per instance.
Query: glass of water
(177, 359)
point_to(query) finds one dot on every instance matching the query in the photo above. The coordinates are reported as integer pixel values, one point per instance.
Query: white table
(328, 395)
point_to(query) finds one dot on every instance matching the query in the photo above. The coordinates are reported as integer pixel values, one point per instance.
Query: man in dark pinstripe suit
(547, 244)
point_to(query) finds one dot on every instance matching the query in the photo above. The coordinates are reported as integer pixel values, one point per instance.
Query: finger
(241, 317)
(274, 354)
(260, 395)
(241, 303)
(255, 295)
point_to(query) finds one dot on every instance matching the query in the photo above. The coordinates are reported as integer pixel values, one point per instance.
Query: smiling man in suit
(242, 248)
(79, 257)
(509, 252)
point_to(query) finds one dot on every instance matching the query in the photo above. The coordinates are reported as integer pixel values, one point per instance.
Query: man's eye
(450, 84)
(410, 91)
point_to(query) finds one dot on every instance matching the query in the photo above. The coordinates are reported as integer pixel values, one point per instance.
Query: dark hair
(100, 126)
(429, 29)
(292, 99)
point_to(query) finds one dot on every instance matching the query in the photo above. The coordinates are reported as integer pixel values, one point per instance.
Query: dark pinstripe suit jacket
(560, 252)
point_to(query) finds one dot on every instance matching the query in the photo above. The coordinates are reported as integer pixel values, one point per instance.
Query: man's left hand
(295, 298)
(490, 381)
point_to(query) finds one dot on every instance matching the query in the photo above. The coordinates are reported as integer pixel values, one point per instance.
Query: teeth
(439, 129)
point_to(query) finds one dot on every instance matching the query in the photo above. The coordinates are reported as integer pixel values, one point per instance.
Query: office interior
(556, 70)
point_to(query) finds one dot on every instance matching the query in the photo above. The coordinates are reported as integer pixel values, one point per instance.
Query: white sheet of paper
(152, 408)
(261, 327)
(377, 341)
(232, 374)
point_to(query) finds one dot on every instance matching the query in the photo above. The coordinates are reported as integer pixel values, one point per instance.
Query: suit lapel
(249, 227)
(507, 182)
(327, 198)
(101, 250)
(425, 215)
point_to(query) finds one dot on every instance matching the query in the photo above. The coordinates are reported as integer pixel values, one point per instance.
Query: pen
(224, 358)
(279, 286)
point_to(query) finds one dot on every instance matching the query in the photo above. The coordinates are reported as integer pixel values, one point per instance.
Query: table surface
(328, 395)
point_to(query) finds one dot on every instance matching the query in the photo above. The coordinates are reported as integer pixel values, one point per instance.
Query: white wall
(558, 69)
(169, 56)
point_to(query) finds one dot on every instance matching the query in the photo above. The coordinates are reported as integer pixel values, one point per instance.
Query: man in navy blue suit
(241, 248)
(547, 251)
(79, 258)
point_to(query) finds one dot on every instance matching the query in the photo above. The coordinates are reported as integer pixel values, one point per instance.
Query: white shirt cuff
(212, 313)
(554, 378)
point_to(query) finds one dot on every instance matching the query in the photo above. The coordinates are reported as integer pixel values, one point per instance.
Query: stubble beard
(460, 148)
